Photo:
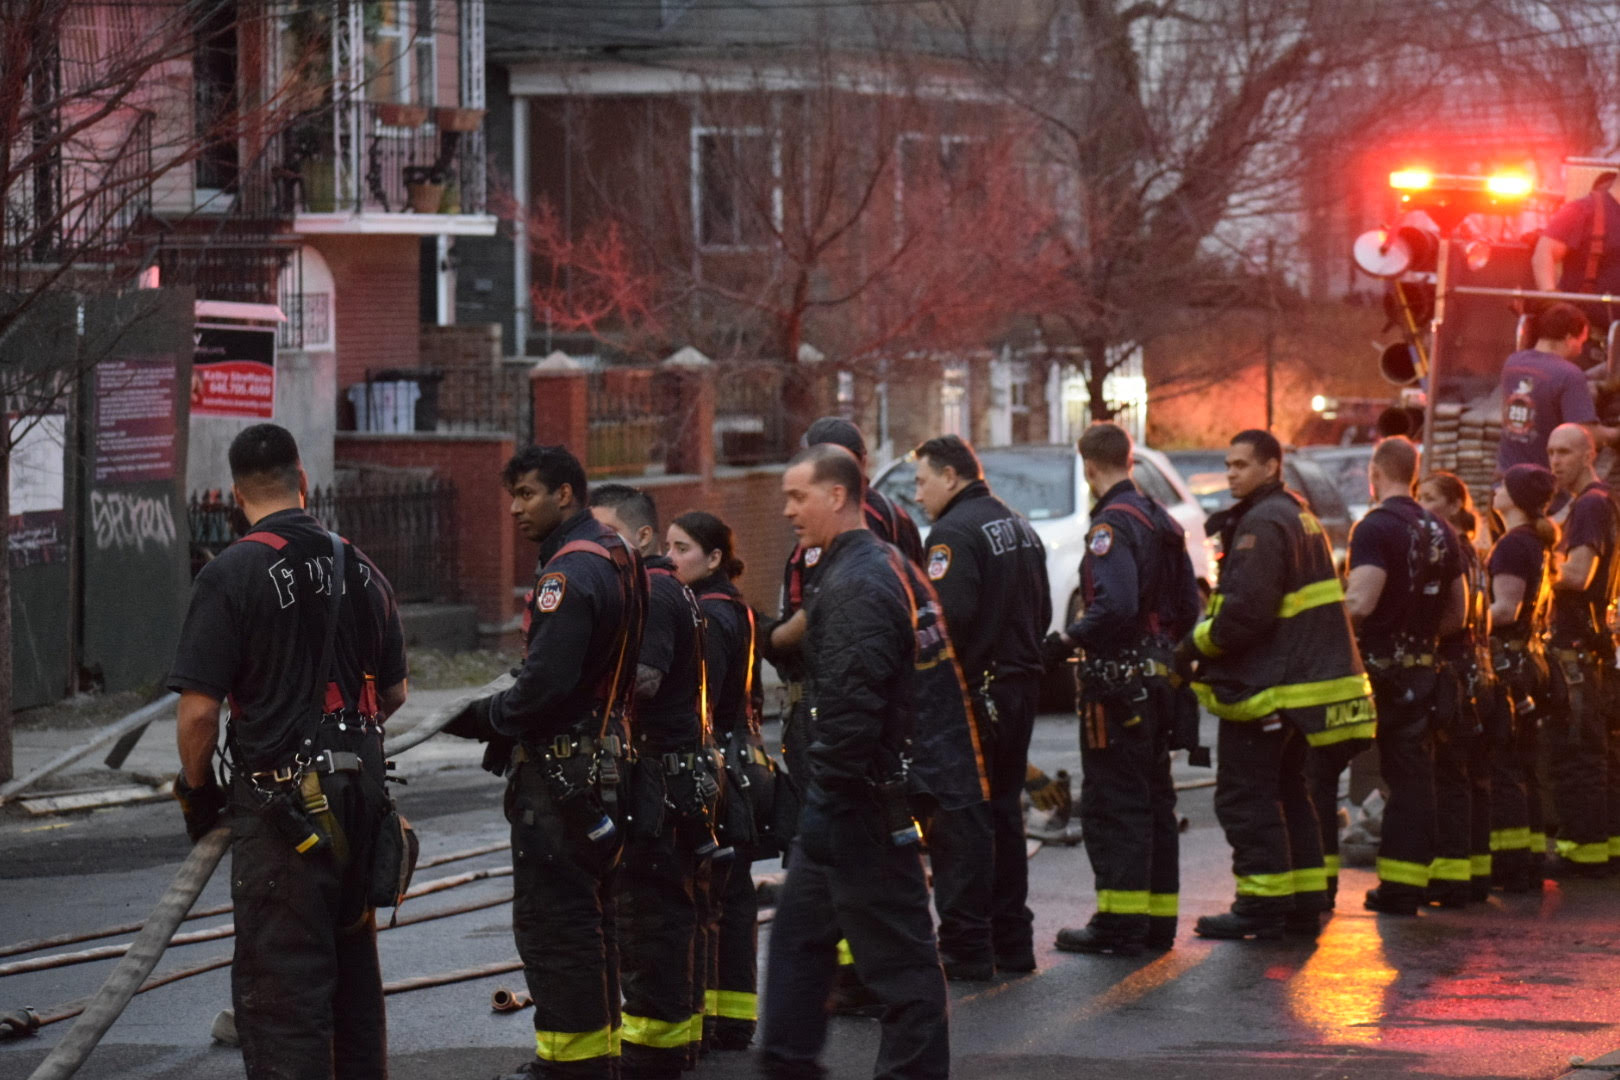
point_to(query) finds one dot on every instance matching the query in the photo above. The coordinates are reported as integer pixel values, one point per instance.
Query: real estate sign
(233, 371)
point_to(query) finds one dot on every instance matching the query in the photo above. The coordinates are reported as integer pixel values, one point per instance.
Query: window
(736, 187)
(400, 64)
(1154, 485)
(846, 394)
(214, 73)
(935, 176)
(953, 401)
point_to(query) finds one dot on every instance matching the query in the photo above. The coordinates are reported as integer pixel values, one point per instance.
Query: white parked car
(1046, 485)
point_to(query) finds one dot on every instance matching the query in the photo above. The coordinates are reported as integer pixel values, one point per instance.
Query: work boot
(1562, 869)
(966, 970)
(1231, 926)
(1384, 902)
(1302, 923)
(1016, 962)
(1092, 939)
(1448, 894)
(854, 1000)
(1520, 882)
(531, 1070)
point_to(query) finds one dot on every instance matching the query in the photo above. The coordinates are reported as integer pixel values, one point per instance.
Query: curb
(1606, 1067)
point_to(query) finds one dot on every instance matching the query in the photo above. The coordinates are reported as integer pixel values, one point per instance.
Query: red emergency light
(1448, 197)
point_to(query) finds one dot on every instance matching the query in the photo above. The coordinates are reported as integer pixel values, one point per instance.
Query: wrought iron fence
(408, 528)
(412, 158)
(487, 398)
(629, 421)
(750, 417)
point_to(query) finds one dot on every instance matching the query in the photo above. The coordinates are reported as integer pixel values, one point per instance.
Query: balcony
(378, 168)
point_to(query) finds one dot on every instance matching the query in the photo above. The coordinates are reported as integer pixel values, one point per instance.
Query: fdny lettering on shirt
(939, 561)
(549, 592)
(1009, 534)
(284, 576)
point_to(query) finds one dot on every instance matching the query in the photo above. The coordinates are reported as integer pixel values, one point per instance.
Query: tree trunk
(798, 390)
(7, 769)
(1096, 376)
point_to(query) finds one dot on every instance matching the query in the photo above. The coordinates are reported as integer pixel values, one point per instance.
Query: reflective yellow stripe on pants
(1311, 879)
(738, 1005)
(573, 1045)
(1118, 902)
(662, 1034)
(1510, 839)
(1450, 870)
(1400, 872)
(1480, 865)
(1330, 866)
(1587, 854)
(1164, 905)
(1265, 884)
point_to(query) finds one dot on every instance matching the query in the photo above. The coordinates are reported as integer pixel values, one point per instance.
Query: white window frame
(695, 178)
(900, 141)
(412, 39)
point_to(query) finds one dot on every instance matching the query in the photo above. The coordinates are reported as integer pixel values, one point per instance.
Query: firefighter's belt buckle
(672, 764)
(562, 747)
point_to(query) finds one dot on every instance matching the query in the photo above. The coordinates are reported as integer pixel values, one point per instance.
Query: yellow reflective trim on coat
(1201, 638)
(1480, 865)
(1310, 879)
(661, 1034)
(1121, 902)
(1314, 595)
(1368, 729)
(1587, 854)
(738, 1005)
(1400, 872)
(1266, 884)
(573, 1045)
(1330, 865)
(845, 955)
(1164, 905)
(1510, 839)
(1290, 696)
(1450, 870)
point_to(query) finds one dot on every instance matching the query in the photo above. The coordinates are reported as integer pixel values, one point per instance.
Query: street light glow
(1318, 403)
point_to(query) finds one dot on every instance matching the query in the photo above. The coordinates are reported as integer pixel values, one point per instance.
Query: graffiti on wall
(122, 522)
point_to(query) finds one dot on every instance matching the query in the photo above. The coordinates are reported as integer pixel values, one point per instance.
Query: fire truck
(1457, 286)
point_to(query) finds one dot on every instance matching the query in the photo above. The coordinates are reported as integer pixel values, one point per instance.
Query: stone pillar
(688, 388)
(559, 390)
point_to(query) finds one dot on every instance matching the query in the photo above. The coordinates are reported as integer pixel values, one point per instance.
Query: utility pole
(1271, 332)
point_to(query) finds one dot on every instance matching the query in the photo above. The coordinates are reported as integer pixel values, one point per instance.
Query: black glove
(202, 806)
(1054, 650)
(498, 754)
(472, 722)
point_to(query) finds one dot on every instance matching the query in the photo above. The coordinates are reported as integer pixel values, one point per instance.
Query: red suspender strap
(268, 539)
(1153, 616)
(582, 545)
(1594, 246)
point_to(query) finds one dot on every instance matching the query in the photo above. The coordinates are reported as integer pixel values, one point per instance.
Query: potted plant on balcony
(424, 188)
(458, 120)
(399, 115)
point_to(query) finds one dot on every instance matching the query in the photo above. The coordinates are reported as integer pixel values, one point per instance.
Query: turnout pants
(1128, 820)
(1517, 839)
(1264, 806)
(1611, 726)
(736, 997)
(981, 871)
(1575, 740)
(1456, 755)
(563, 919)
(1406, 845)
(305, 983)
(656, 923)
(877, 896)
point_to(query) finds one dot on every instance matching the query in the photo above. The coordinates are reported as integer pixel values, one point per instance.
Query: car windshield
(1038, 482)
(1205, 474)
(1347, 469)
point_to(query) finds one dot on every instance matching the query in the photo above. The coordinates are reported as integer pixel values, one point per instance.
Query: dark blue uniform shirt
(1420, 557)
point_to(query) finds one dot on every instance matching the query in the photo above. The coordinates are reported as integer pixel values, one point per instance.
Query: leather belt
(326, 763)
(567, 746)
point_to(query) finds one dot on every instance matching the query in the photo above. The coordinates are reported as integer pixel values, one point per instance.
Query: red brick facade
(473, 463)
(378, 318)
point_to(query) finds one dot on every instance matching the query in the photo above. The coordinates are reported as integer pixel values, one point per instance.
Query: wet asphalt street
(1512, 988)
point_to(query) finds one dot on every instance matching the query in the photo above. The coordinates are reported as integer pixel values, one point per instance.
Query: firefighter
(1405, 592)
(1277, 665)
(1575, 738)
(1461, 870)
(663, 880)
(855, 863)
(989, 570)
(559, 736)
(1520, 597)
(308, 699)
(780, 640)
(1141, 597)
(702, 551)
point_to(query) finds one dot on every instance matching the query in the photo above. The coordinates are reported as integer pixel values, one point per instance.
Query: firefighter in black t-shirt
(1406, 591)
(1520, 595)
(1140, 598)
(989, 569)
(559, 736)
(667, 915)
(304, 741)
(1576, 735)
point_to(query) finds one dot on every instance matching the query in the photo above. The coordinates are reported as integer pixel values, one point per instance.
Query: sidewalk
(155, 759)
